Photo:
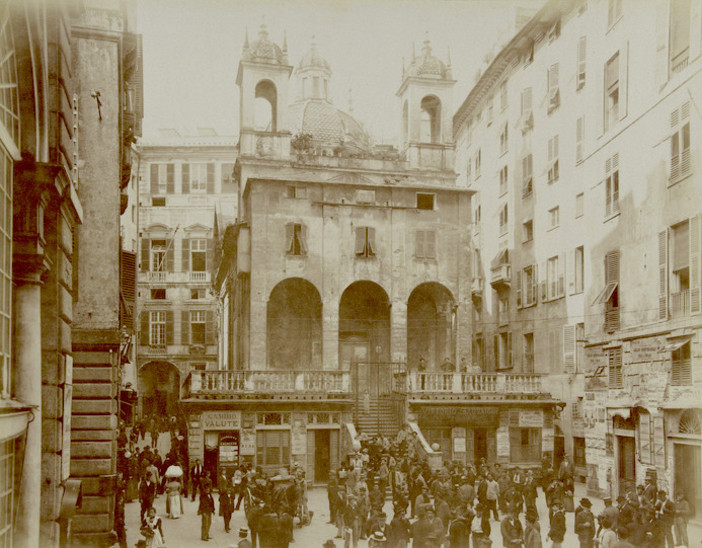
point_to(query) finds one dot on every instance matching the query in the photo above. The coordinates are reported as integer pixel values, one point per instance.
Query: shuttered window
(615, 368)
(569, 350)
(425, 244)
(296, 239)
(680, 162)
(553, 92)
(612, 186)
(365, 241)
(610, 293)
(527, 175)
(579, 136)
(681, 370)
(553, 170)
(581, 62)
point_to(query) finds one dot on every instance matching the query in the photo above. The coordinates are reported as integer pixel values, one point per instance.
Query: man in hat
(377, 539)
(244, 541)
(511, 529)
(557, 524)
(609, 512)
(585, 523)
(665, 509)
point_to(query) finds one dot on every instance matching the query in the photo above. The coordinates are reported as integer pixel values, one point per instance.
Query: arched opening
(430, 327)
(294, 326)
(405, 123)
(159, 389)
(687, 454)
(364, 324)
(430, 120)
(265, 106)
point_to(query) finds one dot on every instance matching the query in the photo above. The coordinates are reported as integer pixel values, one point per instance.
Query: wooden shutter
(303, 239)
(144, 326)
(170, 178)
(612, 267)
(209, 257)
(185, 327)
(145, 254)
(663, 275)
(544, 282)
(561, 274)
(695, 266)
(570, 272)
(154, 179)
(569, 348)
(419, 244)
(623, 79)
(310, 459)
(185, 255)
(210, 178)
(582, 42)
(662, 33)
(371, 241)
(534, 283)
(210, 327)
(430, 244)
(519, 288)
(290, 237)
(509, 350)
(496, 350)
(185, 180)
(169, 327)
(360, 240)
(170, 256)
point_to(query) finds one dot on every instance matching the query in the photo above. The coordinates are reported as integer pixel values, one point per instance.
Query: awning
(676, 343)
(606, 293)
(501, 258)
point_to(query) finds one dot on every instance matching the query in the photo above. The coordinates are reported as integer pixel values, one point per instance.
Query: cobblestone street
(185, 531)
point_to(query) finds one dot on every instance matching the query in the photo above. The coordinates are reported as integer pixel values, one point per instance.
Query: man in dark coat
(512, 530)
(206, 509)
(557, 528)
(460, 528)
(226, 505)
(269, 529)
(195, 475)
(585, 524)
(147, 494)
(253, 517)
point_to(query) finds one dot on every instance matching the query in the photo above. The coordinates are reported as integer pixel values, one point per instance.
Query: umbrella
(174, 471)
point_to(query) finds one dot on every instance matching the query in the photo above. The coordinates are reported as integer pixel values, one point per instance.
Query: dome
(428, 65)
(313, 60)
(263, 50)
(328, 125)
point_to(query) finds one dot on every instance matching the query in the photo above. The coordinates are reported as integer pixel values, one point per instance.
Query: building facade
(579, 142)
(58, 418)
(185, 185)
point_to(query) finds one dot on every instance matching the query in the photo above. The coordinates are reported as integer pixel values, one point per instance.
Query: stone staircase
(379, 415)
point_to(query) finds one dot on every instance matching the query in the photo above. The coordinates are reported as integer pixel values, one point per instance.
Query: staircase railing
(423, 449)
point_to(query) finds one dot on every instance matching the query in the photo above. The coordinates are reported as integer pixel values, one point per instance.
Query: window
(476, 164)
(553, 217)
(555, 277)
(526, 286)
(198, 255)
(504, 139)
(198, 366)
(581, 63)
(679, 270)
(681, 372)
(503, 309)
(503, 350)
(162, 179)
(478, 350)
(680, 143)
(579, 205)
(552, 83)
(197, 294)
(228, 180)
(579, 456)
(553, 159)
(615, 367)
(158, 201)
(527, 175)
(365, 241)
(524, 444)
(503, 95)
(527, 231)
(425, 201)
(526, 120)
(504, 220)
(296, 239)
(425, 244)
(197, 327)
(503, 180)
(157, 328)
(7, 484)
(273, 448)
(579, 136)
(614, 12)
(477, 214)
(611, 115)
(200, 176)
(610, 294)
(158, 255)
(528, 352)
(430, 120)
(490, 109)
(579, 270)
(158, 294)
(612, 186)
(296, 191)
(680, 19)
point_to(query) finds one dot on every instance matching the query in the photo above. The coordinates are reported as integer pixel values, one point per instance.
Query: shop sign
(229, 448)
(459, 440)
(594, 358)
(502, 442)
(531, 418)
(644, 350)
(435, 415)
(299, 438)
(547, 439)
(247, 441)
(221, 420)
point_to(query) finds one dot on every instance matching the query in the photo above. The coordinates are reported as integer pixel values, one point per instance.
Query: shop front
(221, 437)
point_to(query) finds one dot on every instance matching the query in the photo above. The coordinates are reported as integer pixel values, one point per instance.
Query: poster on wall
(502, 442)
(229, 448)
(247, 442)
(531, 418)
(547, 439)
(299, 438)
(459, 440)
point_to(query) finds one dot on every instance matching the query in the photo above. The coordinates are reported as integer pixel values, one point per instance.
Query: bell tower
(426, 101)
(263, 79)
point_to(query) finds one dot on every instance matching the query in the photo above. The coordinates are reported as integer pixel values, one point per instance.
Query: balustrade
(222, 382)
(466, 383)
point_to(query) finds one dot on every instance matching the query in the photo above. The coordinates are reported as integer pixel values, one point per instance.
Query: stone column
(27, 354)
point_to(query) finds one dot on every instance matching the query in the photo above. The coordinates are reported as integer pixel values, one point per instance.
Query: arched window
(690, 422)
(430, 120)
(265, 111)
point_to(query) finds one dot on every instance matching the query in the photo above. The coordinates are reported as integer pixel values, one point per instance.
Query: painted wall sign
(531, 418)
(221, 420)
(247, 441)
(435, 415)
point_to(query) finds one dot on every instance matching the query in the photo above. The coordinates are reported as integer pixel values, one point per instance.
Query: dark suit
(147, 493)
(195, 475)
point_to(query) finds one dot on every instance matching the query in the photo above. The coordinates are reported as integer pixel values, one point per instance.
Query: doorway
(480, 445)
(688, 475)
(322, 455)
(626, 464)
(558, 451)
(210, 461)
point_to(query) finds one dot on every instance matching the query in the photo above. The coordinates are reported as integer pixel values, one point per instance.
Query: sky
(192, 50)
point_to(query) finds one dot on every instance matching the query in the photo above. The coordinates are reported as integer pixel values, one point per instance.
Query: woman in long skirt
(174, 501)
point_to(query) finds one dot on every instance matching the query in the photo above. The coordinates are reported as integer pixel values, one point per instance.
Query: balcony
(199, 276)
(501, 275)
(163, 277)
(489, 386)
(269, 384)
(680, 304)
(477, 286)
